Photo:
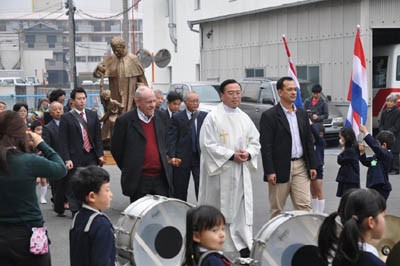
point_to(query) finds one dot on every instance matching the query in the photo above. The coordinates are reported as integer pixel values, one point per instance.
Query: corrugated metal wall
(318, 34)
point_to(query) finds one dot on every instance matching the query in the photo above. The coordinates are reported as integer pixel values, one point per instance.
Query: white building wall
(35, 60)
(87, 49)
(156, 36)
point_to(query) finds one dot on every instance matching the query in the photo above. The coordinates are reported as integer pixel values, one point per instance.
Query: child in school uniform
(317, 195)
(37, 127)
(379, 165)
(91, 237)
(348, 176)
(205, 237)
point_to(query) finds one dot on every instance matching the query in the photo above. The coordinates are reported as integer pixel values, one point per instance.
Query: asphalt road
(59, 227)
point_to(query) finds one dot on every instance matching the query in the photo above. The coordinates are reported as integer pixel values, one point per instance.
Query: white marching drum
(279, 239)
(151, 231)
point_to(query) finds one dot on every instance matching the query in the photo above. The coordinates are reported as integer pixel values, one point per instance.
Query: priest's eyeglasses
(232, 93)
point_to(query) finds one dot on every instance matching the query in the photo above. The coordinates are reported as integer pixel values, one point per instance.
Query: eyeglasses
(193, 101)
(232, 93)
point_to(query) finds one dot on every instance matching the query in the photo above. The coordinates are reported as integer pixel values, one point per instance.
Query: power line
(113, 16)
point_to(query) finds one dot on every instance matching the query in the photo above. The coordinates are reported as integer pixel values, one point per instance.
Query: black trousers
(182, 177)
(63, 187)
(14, 247)
(153, 185)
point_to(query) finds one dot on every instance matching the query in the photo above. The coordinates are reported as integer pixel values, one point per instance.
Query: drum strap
(205, 254)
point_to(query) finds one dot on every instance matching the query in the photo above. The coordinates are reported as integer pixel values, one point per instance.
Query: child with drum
(380, 164)
(91, 238)
(349, 172)
(363, 220)
(205, 237)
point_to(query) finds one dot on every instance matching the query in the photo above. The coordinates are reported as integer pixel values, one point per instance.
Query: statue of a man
(124, 73)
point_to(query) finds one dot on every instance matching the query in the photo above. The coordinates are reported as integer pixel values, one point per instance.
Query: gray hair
(55, 103)
(187, 94)
(158, 92)
(140, 91)
(392, 97)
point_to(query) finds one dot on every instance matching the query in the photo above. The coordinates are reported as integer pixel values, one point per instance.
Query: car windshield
(207, 93)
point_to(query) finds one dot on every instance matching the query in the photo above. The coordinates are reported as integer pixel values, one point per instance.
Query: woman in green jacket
(19, 208)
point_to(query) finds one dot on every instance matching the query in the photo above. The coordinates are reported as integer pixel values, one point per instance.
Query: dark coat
(215, 259)
(179, 139)
(96, 247)
(71, 139)
(320, 144)
(390, 120)
(378, 165)
(128, 144)
(50, 135)
(276, 142)
(320, 109)
(349, 171)
(366, 259)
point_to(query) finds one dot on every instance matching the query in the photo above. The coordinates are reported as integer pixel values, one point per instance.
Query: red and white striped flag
(358, 89)
(292, 74)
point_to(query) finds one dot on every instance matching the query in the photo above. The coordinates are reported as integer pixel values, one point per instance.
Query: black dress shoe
(61, 215)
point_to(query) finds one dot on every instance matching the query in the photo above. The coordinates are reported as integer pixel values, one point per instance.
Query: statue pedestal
(109, 158)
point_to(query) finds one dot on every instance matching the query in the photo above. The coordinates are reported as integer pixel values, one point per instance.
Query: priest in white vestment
(229, 144)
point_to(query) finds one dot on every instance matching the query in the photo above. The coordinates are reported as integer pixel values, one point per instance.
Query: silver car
(207, 91)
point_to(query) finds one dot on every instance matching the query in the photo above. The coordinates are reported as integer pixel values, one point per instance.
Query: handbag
(39, 243)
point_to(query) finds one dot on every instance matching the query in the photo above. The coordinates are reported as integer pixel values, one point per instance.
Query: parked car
(207, 91)
(12, 81)
(261, 94)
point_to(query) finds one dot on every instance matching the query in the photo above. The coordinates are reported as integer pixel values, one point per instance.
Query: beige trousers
(298, 187)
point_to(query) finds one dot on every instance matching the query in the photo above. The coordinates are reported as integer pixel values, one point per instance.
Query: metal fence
(31, 95)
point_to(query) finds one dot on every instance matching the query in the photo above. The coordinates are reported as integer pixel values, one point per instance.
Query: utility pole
(71, 28)
(125, 29)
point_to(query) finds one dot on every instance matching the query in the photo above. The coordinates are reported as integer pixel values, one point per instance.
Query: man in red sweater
(138, 145)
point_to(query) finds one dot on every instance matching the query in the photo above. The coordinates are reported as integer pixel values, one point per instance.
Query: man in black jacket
(80, 139)
(316, 106)
(287, 151)
(390, 120)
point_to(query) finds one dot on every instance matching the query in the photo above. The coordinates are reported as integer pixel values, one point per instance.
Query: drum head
(158, 233)
(390, 237)
(279, 239)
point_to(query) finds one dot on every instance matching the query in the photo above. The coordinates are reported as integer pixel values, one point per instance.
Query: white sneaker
(43, 201)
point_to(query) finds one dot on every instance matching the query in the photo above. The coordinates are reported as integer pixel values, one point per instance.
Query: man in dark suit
(80, 138)
(138, 145)
(183, 146)
(287, 151)
(51, 137)
(173, 102)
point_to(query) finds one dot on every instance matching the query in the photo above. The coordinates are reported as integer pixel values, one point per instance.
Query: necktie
(86, 142)
(194, 134)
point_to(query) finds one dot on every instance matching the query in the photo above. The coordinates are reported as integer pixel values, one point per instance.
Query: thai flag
(358, 90)
(292, 74)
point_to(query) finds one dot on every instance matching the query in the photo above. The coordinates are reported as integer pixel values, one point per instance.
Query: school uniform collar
(369, 248)
(84, 205)
(203, 249)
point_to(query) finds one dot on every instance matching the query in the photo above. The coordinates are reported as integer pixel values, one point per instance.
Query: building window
(310, 73)
(108, 39)
(138, 25)
(95, 38)
(96, 25)
(81, 59)
(78, 38)
(94, 58)
(254, 73)
(196, 4)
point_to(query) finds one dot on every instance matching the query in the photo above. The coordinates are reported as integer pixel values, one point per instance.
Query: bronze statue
(124, 73)
(112, 109)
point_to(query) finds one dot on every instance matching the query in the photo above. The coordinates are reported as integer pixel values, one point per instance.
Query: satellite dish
(144, 57)
(162, 58)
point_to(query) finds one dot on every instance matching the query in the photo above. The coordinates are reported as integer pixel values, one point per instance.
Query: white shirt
(369, 248)
(297, 148)
(144, 117)
(189, 115)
